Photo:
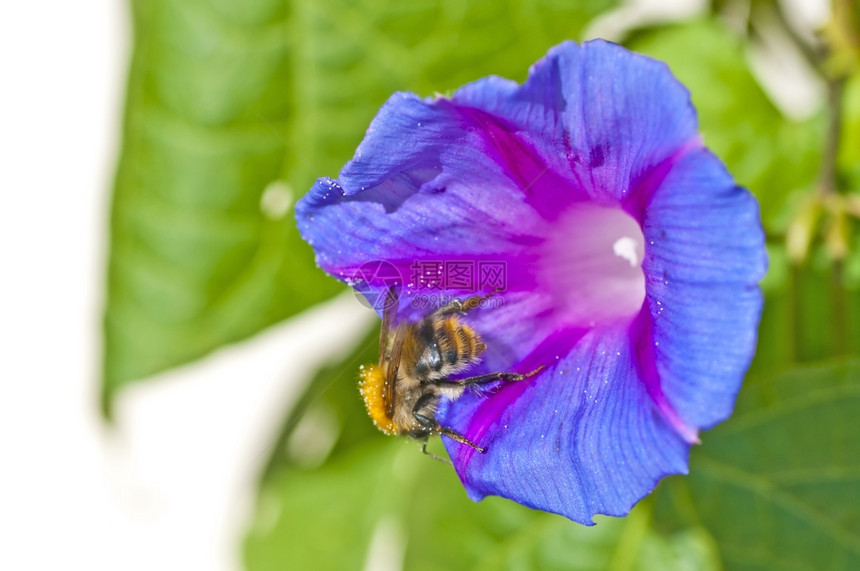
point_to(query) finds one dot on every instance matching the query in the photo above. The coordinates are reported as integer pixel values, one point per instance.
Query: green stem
(828, 186)
(827, 180)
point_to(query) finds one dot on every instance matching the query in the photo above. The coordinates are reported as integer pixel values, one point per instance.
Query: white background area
(172, 484)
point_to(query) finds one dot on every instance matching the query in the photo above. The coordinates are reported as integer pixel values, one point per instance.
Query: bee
(416, 362)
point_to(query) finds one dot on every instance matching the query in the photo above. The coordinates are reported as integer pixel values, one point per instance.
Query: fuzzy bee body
(438, 347)
(416, 362)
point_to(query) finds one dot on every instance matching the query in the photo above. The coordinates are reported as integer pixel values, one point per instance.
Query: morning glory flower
(625, 259)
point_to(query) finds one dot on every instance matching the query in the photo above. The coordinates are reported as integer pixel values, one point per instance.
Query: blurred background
(178, 388)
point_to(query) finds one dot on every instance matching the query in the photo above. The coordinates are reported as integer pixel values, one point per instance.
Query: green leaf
(198, 256)
(766, 152)
(233, 109)
(778, 485)
(811, 313)
(385, 499)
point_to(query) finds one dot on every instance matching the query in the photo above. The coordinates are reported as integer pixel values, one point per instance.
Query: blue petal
(582, 438)
(438, 146)
(704, 259)
(428, 183)
(609, 117)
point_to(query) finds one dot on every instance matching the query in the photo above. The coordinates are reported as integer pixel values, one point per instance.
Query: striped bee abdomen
(458, 343)
(447, 345)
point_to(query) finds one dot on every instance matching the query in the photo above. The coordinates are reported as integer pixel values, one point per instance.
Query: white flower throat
(591, 263)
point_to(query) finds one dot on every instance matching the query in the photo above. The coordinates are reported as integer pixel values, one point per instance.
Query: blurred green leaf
(232, 111)
(811, 313)
(778, 332)
(386, 500)
(765, 151)
(323, 518)
(204, 250)
(778, 485)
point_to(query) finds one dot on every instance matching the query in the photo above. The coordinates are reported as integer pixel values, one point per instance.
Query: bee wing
(389, 308)
(388, 392)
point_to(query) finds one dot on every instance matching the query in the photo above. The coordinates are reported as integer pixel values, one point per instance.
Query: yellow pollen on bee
(371, 385)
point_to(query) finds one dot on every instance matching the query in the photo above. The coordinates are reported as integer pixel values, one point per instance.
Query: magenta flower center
(591, 264)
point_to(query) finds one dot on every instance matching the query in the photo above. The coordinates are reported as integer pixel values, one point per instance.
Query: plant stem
(827, 179)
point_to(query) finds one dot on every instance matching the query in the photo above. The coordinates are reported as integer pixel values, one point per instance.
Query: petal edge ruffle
(601, 454)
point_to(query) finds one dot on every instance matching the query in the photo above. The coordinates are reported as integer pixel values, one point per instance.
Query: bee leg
(456, 436)
(462, 306)
(430, 454)
(489, 378)
(432, 426)
(437, 428)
